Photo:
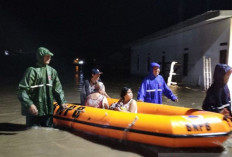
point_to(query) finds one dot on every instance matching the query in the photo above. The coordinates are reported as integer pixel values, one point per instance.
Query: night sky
(91, 27)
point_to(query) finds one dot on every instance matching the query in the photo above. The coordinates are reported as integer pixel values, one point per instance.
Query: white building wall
(197, 40)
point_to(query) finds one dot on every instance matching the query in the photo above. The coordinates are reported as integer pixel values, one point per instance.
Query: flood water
(16, 140)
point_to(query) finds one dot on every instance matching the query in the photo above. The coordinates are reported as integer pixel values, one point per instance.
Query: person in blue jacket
(218, 95)
(154, 86)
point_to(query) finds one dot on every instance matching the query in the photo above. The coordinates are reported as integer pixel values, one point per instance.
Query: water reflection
(79, 77)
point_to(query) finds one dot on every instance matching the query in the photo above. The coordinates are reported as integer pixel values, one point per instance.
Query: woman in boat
(96, 99)
(126, 103)
(89, 85)
(218, 95)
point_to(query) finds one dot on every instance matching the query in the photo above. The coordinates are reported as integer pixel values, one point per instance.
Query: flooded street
(15, 140)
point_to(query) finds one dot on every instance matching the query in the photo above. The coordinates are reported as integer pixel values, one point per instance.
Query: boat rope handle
(79, 111)
(128, 127)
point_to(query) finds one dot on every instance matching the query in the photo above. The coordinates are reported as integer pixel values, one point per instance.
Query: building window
(185, 64)
(223, 44)
(223, 57)
(138, 63)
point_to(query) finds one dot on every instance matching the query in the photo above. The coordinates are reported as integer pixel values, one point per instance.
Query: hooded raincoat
(153, 87)
(218, 94)
(39, 86)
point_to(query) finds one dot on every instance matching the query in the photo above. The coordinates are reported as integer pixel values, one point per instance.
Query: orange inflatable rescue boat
(155, 124)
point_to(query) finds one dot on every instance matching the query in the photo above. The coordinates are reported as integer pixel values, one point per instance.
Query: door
(223, 57)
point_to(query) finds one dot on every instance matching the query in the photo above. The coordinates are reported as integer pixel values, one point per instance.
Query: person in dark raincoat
(153, 86)
(218, 95)
(37, 89)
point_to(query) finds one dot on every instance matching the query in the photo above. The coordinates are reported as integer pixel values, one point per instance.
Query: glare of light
(75, 61)
(6, 53)
(81, 62)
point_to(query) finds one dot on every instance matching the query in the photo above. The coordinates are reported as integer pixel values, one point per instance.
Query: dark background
(92, 30)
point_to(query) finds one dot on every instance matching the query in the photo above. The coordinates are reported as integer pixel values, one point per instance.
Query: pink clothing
(95, 102)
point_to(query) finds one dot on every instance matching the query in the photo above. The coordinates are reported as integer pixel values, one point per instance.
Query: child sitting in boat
(126, 103)
(96, 99)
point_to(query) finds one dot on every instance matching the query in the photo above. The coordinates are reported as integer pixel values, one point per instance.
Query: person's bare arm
(133, 106)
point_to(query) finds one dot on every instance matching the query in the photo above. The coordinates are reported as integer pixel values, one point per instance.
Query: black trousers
(44, 121)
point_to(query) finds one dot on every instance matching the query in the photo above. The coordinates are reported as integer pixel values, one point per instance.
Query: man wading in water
(39, 85)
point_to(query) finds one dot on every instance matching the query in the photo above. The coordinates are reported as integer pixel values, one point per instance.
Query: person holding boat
(89, 86)
(218, 95)
(126, 103)
(39, 85)
(96, 99)
(154, 86)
